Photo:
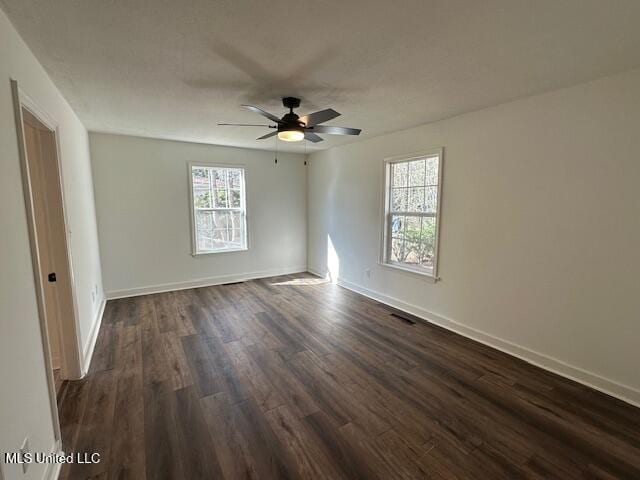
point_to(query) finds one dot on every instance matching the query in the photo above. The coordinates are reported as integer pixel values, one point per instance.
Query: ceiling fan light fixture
(291, 135)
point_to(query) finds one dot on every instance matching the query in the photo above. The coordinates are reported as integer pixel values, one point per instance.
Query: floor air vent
(404, 318)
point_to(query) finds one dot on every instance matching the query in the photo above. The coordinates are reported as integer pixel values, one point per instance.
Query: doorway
(49, 240)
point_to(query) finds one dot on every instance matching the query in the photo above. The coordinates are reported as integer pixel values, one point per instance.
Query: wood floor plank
(71, 413)
(293, 377)
(335, 398)
(232, 381)
(200, 320)
(346, 456)
(162, 444)
(195, 445)
(178, 371)
(203, 372)
(184, 325)
(284, 380)
(104, 353)
(269, 458)
(128, 434)
(166, 311)
(96, 428)
(402, 456)
(263, 392)
(231, 450)
(155, 368)
(311, 458)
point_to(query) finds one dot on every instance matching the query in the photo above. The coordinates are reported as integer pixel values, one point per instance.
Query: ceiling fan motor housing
(291, 102)
(290, 120)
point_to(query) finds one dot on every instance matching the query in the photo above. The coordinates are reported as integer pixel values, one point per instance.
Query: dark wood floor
(291, 377)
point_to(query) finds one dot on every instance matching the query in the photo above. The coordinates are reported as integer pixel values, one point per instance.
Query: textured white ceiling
(174, 69)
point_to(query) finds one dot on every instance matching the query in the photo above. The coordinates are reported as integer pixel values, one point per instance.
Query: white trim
(317, 273)
(407, 157)
(228, 250)
(87, 353)
(203, 282)
(52, 472)
(625, 393)
(385, 246)
(424, 274)
(70, 347)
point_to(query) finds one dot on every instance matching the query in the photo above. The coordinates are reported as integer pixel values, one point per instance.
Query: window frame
(192, 216)
(385, 255)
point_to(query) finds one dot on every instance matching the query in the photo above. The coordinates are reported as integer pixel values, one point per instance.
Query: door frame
(70, 358)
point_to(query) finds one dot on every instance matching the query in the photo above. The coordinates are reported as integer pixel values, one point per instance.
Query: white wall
(540, 233)
(24, 402)
(142, 202)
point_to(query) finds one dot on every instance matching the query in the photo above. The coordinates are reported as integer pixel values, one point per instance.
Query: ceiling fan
(292, 128)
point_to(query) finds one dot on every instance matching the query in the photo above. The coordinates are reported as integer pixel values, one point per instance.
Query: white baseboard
(315, 272)
(203, 282)
(87, 352)
(623, 392)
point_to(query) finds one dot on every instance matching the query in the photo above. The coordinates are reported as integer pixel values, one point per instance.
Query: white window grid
(213, 189)
(418, 214)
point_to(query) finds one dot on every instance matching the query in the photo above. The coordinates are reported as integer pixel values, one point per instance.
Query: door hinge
(52, 277)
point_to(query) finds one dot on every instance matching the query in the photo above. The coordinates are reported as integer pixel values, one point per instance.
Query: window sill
(423, 274)
(217, 252)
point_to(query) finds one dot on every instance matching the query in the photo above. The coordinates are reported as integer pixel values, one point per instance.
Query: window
(412, 212)
(218, 206)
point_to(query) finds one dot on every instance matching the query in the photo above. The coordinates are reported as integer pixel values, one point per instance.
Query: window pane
(397, 250)
(397, 226)
(431, 200)
(202, 198)
(200, 176)
(237, 220)
(413, 229)
(399, 199)
(428, 241)
(221, 219)
(432, 171)
(235, 198)
(201, 187)
(416, 173)
(236, 237)
(399, 174)
(204, 230)
(415, 199)
(219, 230)
(235, 176)
(411, 253)
(220, 197)
(218, 235)
(220, 177)
(204, 220)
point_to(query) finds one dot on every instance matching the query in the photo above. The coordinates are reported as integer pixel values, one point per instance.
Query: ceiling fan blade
(244, 125)
(312, 137)
(336, 130)
(258, 110)
(270, 134)
(319, 117)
